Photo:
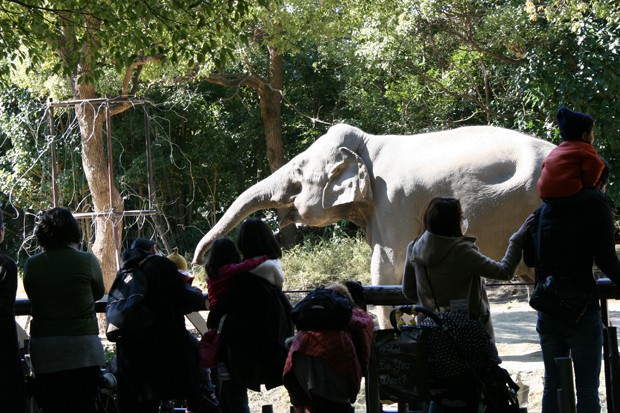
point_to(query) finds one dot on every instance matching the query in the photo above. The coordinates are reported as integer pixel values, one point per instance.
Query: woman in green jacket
(63, 284)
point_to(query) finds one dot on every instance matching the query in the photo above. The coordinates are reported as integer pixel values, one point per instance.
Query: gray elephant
(382, 182)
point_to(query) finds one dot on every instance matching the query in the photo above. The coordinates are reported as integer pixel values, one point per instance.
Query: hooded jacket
(442, 272)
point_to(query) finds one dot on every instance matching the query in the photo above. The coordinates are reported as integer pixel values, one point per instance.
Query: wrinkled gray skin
(382, 182)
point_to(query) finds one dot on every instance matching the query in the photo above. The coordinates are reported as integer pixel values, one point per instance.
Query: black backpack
(500, 391)
(126, 312)
(322, 309)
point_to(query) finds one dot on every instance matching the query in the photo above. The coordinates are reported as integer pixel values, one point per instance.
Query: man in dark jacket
(574, 232)
(163, 363)
(12, 396)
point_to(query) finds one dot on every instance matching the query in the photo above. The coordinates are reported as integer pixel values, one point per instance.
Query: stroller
(447, 358)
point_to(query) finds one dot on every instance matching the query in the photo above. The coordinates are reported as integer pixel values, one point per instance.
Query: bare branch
(129, 73)
(234, 80)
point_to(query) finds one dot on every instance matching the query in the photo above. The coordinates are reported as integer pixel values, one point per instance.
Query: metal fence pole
(566, 395)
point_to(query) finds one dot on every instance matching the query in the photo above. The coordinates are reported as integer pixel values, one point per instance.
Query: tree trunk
(270, 101)
(105, 196)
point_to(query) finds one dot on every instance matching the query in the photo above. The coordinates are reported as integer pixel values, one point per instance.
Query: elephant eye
(294, 189)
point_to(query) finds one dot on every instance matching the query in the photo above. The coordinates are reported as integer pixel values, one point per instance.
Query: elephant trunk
(257, 197)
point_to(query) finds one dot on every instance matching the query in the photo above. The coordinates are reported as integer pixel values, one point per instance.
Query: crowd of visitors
(321, 368)
(159, 366)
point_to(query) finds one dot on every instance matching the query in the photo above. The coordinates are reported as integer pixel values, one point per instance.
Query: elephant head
(326, 183)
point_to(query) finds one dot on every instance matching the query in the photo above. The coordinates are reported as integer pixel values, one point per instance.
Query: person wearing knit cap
(572, 231)
(182, 266)
(207, 387)
(574, 163)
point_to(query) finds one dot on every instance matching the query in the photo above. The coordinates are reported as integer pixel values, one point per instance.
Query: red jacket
(347, 351)
(568, 168)
(218, 288)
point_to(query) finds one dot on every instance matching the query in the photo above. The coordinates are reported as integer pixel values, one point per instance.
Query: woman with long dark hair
(253, 351)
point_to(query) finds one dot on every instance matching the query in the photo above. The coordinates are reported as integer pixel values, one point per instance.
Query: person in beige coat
(445, 270)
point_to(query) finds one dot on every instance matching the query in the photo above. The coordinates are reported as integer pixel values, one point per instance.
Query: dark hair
(442, 216)
(57, 228)
(224, 251)
(256, 239)
(142, 244)
(357, 292)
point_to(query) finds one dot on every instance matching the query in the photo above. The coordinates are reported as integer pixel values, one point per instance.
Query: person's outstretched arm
(483, 266)
(410, 289)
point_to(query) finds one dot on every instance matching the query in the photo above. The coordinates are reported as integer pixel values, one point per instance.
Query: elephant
(382, 183)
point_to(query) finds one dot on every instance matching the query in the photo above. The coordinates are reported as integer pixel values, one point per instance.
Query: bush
(318, 262)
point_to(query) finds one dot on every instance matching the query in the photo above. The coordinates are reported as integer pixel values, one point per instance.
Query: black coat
(576, 232)
(162, 364)
(256, 326)
(12, 396)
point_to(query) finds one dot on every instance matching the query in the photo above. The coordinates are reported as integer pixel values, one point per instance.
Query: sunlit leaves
(84, 37)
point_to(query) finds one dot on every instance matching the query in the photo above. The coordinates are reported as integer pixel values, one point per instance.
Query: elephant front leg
(385, 269)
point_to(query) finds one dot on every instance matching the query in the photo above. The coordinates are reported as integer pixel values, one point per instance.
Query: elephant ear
(348, 181)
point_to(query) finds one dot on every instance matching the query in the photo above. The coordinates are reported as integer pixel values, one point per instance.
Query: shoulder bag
(458, 342)
(209, 347)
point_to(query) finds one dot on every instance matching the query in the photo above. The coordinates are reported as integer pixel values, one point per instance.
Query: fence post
(373, 402)
(566, 395)
(612, 368)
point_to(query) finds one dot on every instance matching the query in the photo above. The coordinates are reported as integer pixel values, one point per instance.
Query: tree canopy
(215, 74)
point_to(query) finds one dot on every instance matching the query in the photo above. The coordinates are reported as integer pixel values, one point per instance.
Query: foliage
(387, 67)
(336, 259)
(575, 61)
(199, 148)
(117, 33)
(21, 179)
